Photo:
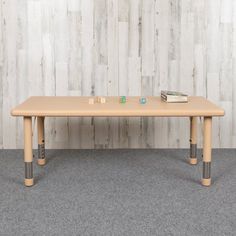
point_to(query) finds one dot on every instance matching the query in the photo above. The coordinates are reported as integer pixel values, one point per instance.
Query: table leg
(193, 141)
(41, 145)
(206, 177)
(28, 153)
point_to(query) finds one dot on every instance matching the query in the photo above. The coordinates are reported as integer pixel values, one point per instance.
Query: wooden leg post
(193, 141)
(41, 145)
(28, 153)
(206, 177)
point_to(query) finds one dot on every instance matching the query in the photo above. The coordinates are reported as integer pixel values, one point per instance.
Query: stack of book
(172, 96)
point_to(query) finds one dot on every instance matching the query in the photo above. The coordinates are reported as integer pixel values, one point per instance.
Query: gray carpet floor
(118, 192)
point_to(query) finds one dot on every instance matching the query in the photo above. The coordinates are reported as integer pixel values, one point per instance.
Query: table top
(79, 106)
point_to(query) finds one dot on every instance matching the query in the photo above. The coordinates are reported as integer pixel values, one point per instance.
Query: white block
(103, 100)
(91, 101)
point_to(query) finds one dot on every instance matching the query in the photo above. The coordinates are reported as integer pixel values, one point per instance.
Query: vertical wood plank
(147, 54)
(48, 65)
(9, 9)
(21, 64)
(113, 66)
(162, 37)
(1, 73)
(174, 61)
(35, 79)
(75, 51)
(87, 14)
(234, 74)
(123, 58)
(147, 38)
(200, 67)
(100, 69)
(186, 69)
(213, 58)
(87, 45)
(123, 77)
(226, 73)
(61, 68)
(134, 69)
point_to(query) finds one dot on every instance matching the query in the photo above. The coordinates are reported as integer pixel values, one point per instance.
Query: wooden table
(42, 107)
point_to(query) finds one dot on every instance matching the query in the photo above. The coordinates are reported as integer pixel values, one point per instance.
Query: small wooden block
(29, 182)
(41, 162)
(206, 182)
(98, 99)
(101, 100)
(91, 101)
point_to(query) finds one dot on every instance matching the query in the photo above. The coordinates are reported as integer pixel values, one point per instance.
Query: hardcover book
(173, 96)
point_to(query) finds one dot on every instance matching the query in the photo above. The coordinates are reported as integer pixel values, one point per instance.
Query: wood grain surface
(117, 47)
(74, 106)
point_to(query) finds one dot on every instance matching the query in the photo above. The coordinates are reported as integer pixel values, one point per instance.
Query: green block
(123, 99)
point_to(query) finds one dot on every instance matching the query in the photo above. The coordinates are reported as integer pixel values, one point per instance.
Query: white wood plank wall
(117, 47)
